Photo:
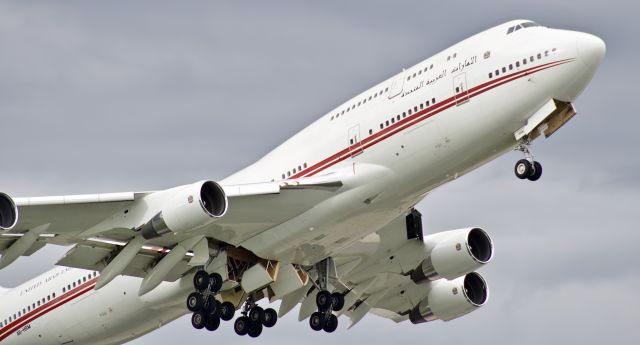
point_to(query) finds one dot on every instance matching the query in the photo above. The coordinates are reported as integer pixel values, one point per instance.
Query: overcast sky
(104, 96)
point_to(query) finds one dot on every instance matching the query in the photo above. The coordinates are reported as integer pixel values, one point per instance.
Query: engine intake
(454, 254)
(190, 207)
(450, 299)
(8, 212)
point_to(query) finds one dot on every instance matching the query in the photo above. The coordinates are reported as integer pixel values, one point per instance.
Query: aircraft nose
(591, 50)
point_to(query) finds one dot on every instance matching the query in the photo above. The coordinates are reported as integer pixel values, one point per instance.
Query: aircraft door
(461, 93)
(354, 140)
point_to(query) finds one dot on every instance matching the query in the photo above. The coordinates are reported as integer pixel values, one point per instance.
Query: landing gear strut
(207, 310)
(327, 302)
(527, 168)
(254, 319)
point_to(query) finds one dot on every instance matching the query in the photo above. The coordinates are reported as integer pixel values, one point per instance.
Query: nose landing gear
(527, 168)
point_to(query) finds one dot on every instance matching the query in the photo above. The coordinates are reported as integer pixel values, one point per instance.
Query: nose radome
(591, 50)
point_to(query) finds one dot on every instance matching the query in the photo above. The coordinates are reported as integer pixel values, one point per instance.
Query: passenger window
(497, 73)
(517, 63)
(510, 66)
(387, 89)
(433, 101)
(504, 69)
(531, 58)
(381, 126)
(430, 67)
(404, 114)
(408, 78)
(393, 120)
(387, 122)
(398, 117)
(414, 75)
(490, 75)
(359, 103)
(539, 56)
(421, 106)
(524, 61)
(457, 89)
(304, 165)
(546, 53)
(369, 97)
(370, 131)
(283, 176)
(409, 112)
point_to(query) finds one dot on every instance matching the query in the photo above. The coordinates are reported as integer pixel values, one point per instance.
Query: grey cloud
(113, 96)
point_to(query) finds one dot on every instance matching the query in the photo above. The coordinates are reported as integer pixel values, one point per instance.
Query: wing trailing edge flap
(96, 253)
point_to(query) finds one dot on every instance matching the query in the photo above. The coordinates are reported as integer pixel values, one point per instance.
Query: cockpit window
(522, 26)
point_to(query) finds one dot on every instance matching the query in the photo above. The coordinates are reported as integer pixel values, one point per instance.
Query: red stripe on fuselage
(46, 308)
(421, 116)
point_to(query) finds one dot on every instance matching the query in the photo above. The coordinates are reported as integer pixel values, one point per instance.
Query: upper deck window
(522, 26)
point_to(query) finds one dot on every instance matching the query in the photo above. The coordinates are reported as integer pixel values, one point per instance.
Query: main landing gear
(324, 319)
(327, 302)
(527, 168)
(254, 319)
(207, 310)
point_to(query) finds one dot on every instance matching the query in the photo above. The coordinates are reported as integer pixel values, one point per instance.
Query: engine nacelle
(454, 254)
(8, 212)
(450, 299)
(190, 207)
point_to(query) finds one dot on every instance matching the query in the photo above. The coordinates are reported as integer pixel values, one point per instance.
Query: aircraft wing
(100, 226)
(382, 275)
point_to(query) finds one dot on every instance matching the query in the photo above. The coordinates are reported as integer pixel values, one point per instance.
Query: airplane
(326, 221)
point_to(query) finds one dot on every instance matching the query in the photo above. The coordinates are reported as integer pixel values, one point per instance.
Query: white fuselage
(417, 130)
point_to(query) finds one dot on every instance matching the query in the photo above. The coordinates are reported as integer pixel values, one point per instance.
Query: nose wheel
(527, 168)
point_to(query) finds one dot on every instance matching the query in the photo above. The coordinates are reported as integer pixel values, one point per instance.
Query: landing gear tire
(194, 301)
(338, 301)
(213, 307)
(227, 310)
(256, 315)
(331, 324)
(198, 320)
(536, 172)
(215, 280)
(323, 300)
(212, 323)
(241, 326)
(270, 318)
(317, 321)
(523, 169)
(201, 280)
(255, 329)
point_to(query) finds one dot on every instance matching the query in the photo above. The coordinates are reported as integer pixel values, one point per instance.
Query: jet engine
(8, 212)
(450, 299)
(190, 207)
(453, 254)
